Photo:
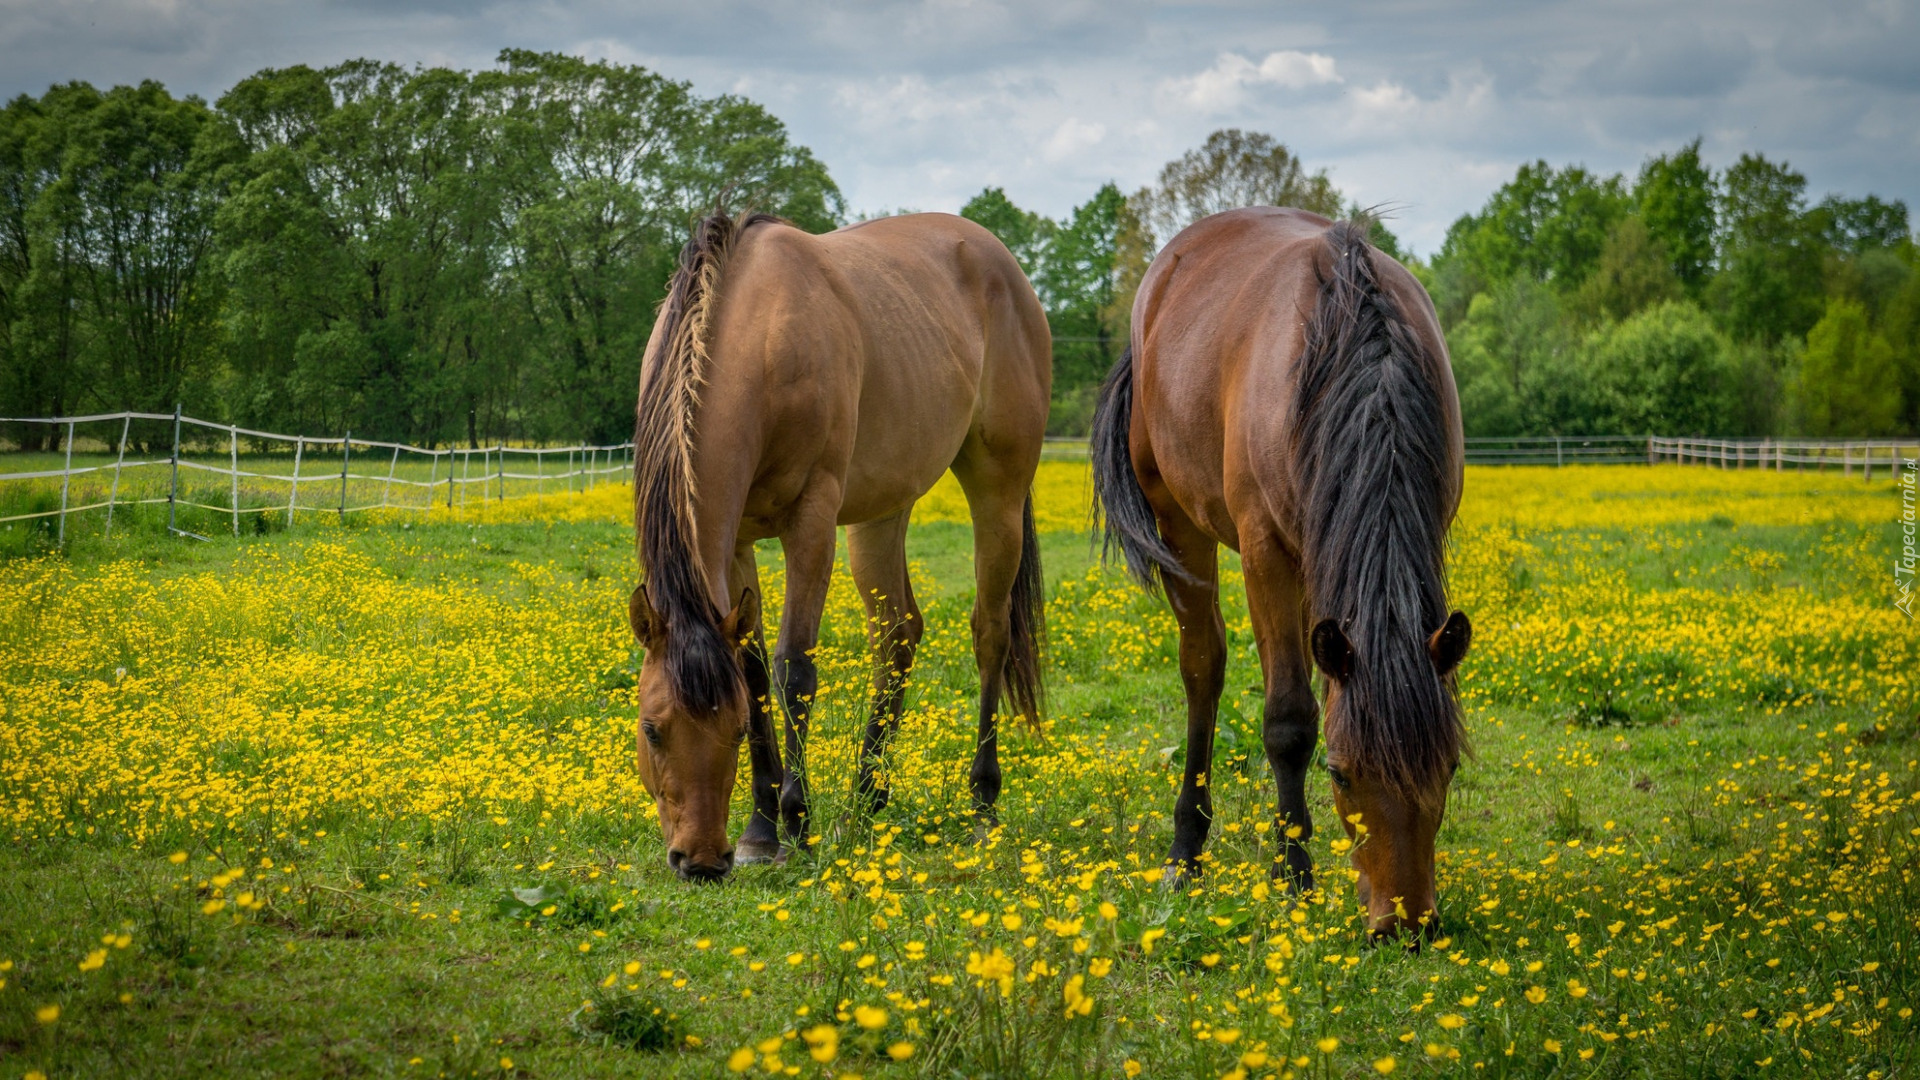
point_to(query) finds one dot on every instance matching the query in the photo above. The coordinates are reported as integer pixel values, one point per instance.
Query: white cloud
(1224, 85)
(1073, 137)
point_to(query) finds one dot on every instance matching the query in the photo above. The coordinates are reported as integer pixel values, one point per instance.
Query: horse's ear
(1332, 651)
(1449, 644)
(648, 626)
(744, 619)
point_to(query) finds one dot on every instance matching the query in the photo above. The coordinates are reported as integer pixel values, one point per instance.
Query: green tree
(1547, 225)
(107, 204)
(589, 159)
(1232, 169)
(361, 252)
(43, 332)
(1634, 273)
(146, 170)
(1770, 280)
(1079, 280)
(1848, 382)
(1513, 362)
(1664, 370)
(1025, 232)
(1675, 195)
(433, 254)
(1858, 225)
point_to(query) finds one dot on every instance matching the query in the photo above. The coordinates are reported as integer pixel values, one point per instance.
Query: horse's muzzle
(704, 867)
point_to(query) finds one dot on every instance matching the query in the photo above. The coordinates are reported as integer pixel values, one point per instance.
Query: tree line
(1685, 300)
(423, 254)
(1682, 301)
(445, 256)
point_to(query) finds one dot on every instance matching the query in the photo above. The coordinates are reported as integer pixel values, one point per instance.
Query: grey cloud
(1876, 46)
(1671, 62)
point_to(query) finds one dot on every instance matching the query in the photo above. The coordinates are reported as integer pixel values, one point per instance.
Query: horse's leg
(1203, 674)
(760, 841)
(808, 545)
(878, 552)
(996, 504)
(1291, 726)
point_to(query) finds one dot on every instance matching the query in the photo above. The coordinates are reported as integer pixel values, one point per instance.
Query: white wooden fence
(1869, 456)
(1872, 457)
(587, 466)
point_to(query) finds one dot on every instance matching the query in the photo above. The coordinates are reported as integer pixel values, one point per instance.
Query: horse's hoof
(752, 852)
(1176, 877)
(1295, 883)
(984, 829)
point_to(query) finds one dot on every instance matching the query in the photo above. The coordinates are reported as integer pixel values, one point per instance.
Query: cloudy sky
(920, 103)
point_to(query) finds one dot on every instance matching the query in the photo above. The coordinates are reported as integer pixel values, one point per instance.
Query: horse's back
(894, 340)
(1219, 327)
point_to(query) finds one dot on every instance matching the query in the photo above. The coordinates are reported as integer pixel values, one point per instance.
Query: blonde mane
(702, 664)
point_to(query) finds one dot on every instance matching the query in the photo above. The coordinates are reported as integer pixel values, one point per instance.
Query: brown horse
(1287, 394)
(795, 383)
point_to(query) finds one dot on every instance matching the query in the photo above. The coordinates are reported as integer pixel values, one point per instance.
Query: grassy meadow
(357, 799)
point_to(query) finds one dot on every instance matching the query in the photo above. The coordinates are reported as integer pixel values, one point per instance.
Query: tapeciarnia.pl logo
(1903, 567)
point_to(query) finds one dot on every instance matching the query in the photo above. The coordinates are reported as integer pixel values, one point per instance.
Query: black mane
(1371, 449)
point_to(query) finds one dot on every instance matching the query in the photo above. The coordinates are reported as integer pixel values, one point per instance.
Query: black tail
(1120, 508)
(1028, 641)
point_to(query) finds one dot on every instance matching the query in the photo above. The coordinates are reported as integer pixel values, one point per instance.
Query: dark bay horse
(1287, 393)
(795, 383)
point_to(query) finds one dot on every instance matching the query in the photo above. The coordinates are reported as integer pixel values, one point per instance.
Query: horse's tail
(1028, 640)
(1120, 508)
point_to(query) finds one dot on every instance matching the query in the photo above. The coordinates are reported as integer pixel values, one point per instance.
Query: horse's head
(693, 716)
(1391, 773)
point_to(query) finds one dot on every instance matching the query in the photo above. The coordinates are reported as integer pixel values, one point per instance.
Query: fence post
(1559, 458)
(173, 483)
(233, 462)
(293, 497)
(394, 465)
(346, 454)
(500, 493)
(66, 478)
(126, 424)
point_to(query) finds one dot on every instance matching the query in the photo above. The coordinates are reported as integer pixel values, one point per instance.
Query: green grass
(342, 976)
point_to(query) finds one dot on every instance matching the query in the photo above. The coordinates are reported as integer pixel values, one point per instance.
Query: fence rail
(1867, 455)
(1870, 456)
(587, 466)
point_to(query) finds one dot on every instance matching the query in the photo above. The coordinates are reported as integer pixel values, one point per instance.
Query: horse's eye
(652, 733)
(1339, 778)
